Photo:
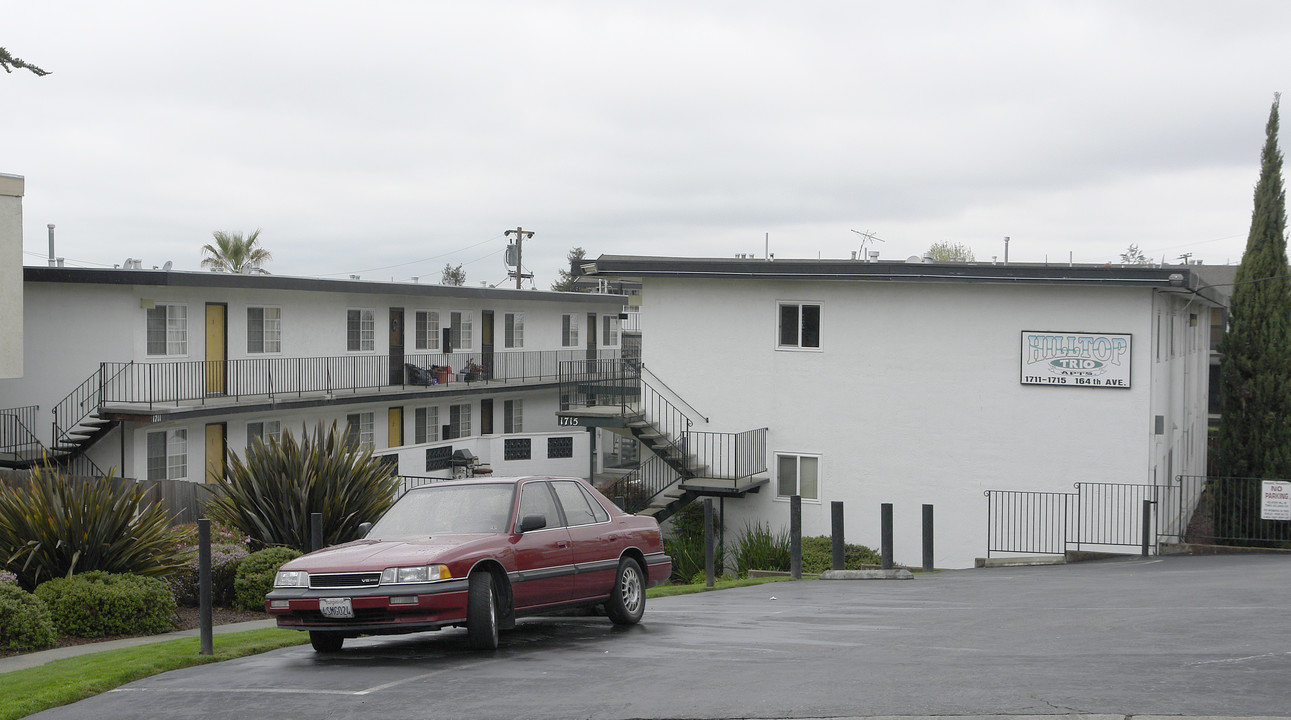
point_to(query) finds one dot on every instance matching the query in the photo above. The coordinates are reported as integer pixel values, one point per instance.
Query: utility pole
(520, 234)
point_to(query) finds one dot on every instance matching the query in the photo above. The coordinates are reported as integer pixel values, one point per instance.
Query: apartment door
(591, 342)
(486, 416)
(486, 343)
(217, 445)
(217, 352)
(395, 434)
(396, 346)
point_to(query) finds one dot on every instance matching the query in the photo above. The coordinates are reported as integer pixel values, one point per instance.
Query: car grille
(361, 615)
(345, 580)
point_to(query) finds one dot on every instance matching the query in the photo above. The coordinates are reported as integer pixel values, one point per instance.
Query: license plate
(336, 608)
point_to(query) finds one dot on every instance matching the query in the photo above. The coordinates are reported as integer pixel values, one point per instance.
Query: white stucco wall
(914, 396)
(11, 319)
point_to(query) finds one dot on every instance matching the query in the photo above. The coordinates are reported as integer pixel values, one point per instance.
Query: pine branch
(9, 62)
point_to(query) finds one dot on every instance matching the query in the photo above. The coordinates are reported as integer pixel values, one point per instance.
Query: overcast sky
(386, 139)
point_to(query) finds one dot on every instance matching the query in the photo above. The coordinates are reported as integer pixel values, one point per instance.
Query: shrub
(270, 495)
(25, 623)
(255, 576)
(8, 578)
(55, 526)
(685, 543)
(184, 582)
(98, 604)
(758, 548)
(818, 555)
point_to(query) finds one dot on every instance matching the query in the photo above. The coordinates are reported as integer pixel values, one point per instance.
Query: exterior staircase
(684, 464)
(21, 447)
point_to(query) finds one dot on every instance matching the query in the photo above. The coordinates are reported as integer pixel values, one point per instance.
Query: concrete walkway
(35, 659)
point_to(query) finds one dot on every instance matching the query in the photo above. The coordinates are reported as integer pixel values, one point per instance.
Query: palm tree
(234, 253)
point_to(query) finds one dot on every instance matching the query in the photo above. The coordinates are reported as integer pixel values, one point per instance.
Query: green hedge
(255, 576)
(818, 555)
(225, 558)
(25, 623)
(100, 604)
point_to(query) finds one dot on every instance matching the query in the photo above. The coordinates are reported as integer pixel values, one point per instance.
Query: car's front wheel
(627, 601)
(481, 612)
(326, 642)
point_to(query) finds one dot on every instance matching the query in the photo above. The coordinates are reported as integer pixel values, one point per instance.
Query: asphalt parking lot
(1190, 636)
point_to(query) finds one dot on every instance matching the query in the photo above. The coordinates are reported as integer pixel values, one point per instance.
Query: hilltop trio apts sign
(1075, 359)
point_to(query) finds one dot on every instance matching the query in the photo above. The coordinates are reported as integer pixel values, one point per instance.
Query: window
(425, 424)
(460, 334)
(459, 421)
(560, 447)
(264, 330)
(516, 449)
(610, 330)
(358, 430)
(360, 330)
(266, 430)
(536, 499)
(513, 330)
(798, 475)
(575, 504)
(569, 330)
(799, 325)
(513, 416)
(168, 455)
(168, 330)
(427, 330)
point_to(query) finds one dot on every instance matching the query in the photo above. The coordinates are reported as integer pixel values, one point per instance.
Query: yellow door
(395, 437)
(215, 447)
(215, 350)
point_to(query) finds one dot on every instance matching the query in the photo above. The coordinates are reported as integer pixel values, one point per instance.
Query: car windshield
(448, 509)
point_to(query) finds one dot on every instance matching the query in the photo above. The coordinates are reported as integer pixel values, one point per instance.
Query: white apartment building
(162, 374)
(914, 383)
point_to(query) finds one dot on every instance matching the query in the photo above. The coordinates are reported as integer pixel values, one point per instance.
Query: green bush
(685, 543)
(818, 555)
(25, 623)
(758, 548)
(271, 494)
(99, 604)
(55, 526)
(255, 576)
(184, 582)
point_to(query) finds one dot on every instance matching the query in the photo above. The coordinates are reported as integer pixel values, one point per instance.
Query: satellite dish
(129, 263)
(914, 259)
(167, 266)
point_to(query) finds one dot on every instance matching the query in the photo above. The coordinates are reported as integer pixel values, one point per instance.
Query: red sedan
(478, 553)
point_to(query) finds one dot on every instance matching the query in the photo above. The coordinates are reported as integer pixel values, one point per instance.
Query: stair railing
(639, 487)
(16, 435)
(83, 401)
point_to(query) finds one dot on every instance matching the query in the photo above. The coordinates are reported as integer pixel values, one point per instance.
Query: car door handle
(562, 543)
(613, 536)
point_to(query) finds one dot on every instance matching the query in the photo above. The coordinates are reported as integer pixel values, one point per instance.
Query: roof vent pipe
(51, 244)
(853, 254)
(874, 256)
(1006, 249)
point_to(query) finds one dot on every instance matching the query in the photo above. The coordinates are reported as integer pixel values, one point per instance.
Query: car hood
(376, 555)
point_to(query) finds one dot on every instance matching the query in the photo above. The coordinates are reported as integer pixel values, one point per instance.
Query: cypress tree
(1255, 373)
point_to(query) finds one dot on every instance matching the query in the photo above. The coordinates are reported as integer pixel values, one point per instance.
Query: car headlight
(291, 578)
(415, 574)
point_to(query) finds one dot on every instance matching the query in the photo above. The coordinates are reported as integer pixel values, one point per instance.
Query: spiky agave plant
(271, 493)
(56, 526)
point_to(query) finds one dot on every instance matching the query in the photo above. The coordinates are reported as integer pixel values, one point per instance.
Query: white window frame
(462, 330)
(463, 429)
(175, 443)
(797, 344)
(513, 330)
(270, 329)
(266, 430)
(610, 331)
(176, 329)
(569, 330)
(425, 424)
(513, 416)
(426, 333)
(798, 458)
(367, 428)
(366, 331)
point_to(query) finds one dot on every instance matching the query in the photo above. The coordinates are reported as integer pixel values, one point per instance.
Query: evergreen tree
(1134, 256)
(9, 62)
(452, 275)
(1255, 374)
(565, 280)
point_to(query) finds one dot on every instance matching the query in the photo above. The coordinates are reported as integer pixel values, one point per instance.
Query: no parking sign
(1275, 502)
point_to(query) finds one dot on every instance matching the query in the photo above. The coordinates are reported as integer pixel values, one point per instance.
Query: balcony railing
(199, 380)
(16, 430)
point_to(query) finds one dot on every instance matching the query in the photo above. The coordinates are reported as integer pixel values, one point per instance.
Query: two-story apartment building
(912, 383)
(163, 374)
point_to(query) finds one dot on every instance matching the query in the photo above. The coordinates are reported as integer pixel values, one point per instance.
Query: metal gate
(1097, 516)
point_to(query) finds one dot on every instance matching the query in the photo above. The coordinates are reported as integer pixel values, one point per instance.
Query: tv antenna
(1185, 257)
(867, 236)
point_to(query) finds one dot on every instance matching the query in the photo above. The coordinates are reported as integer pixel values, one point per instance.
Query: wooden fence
(184, 501)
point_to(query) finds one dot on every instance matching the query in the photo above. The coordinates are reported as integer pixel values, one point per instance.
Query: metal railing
(729, 455)
(639, 487)
(1020, 521)
(1112, 513)
(1227, 511)
(16, 435)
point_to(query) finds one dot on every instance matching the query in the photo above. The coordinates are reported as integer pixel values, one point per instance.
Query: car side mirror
(533, 522)
(364, 529)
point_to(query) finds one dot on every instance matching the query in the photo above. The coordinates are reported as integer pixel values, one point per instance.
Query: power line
(414, 262)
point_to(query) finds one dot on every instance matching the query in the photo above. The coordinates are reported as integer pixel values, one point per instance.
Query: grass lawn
(65, 681)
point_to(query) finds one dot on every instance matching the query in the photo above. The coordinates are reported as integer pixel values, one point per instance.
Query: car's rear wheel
(481, 612)
(326, 642)
(627, 601)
